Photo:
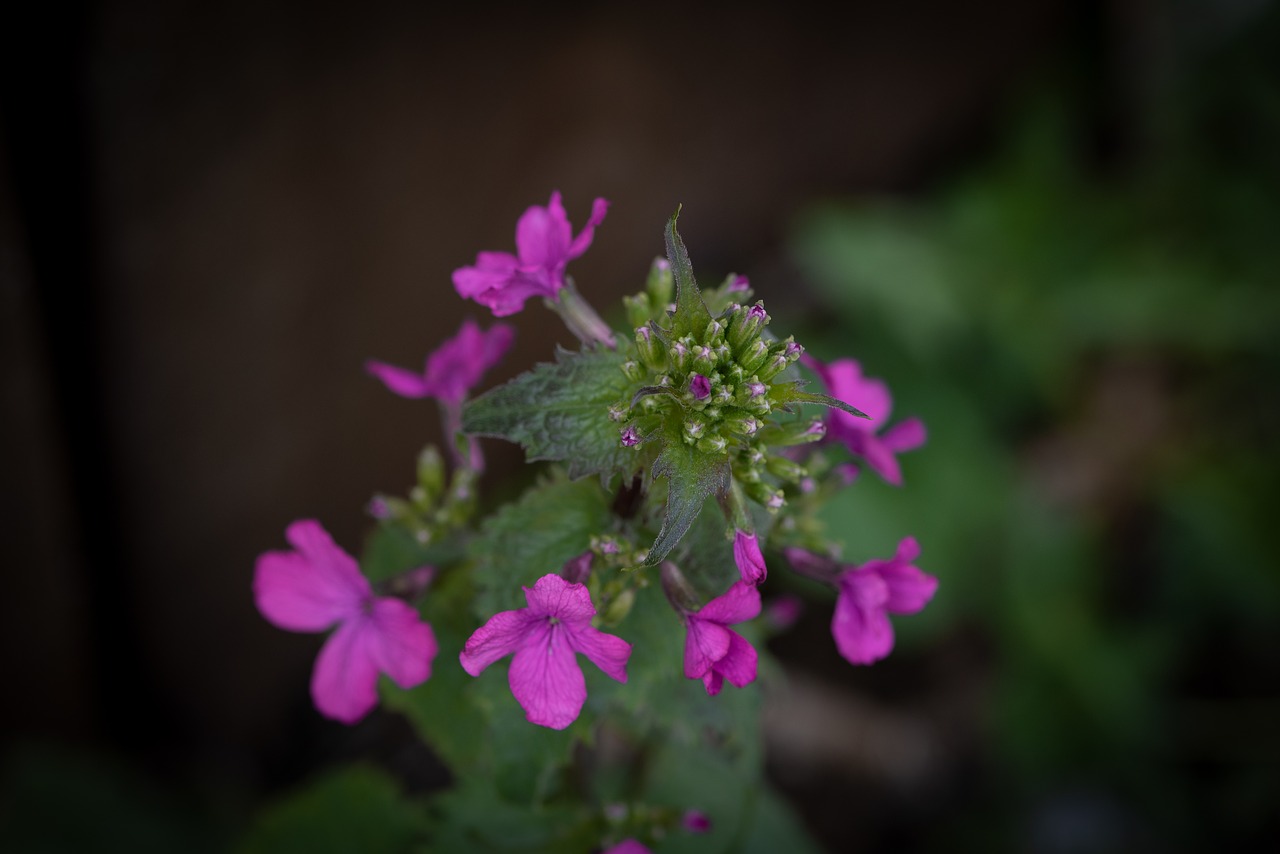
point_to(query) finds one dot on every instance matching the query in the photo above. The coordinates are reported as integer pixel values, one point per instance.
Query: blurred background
(1053, 228)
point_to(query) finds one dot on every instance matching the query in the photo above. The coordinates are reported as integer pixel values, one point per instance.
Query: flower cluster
(702, 400)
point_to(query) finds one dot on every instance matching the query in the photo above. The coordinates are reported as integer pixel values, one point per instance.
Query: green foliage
(691, 316)
(691, 476)
(560, 412)
(355, 809)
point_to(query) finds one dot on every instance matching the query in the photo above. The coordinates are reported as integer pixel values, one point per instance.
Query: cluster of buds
(437, 504)
(714, 387)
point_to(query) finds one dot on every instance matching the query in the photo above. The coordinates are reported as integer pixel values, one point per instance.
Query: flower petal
(492, 270)
(905, 435)
(582, 242)
(546, 679)
(705, 643)
(344, 681)
(746, 554)
(542, 235)
(403, 646)
(740, 602)
(457, 365)
(861, 630)
(312, 588)
(739, 664)
(504, 633)
(552, 596)
(714, 681)
(608, 652)
(879, 457)
(399, 380)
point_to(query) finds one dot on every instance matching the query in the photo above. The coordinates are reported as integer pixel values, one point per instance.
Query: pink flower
(696, 821)
(317, 586)
(746, 554)
(545, 677)
(545, 243)
(453, 369)
(712, 651)
(872, 591)
(843, 379)
(627, 846)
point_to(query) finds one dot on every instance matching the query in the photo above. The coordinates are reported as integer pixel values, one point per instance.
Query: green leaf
(560, 411)
(788, 393)
(691, 477)
(692, 316)
(356, 809)
(552, 522)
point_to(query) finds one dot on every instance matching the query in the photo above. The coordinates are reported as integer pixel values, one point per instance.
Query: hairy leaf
(788, 393)
(559, 411)
(691, 315)
(691, 477)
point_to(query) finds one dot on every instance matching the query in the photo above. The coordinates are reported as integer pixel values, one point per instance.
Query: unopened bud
(757, 353)
(792, 433)
(660, 284)
(633, 370)
(650, 348)
(704, 361)
(745, 325)
(786, 468)
(638, 311)
(713, 444)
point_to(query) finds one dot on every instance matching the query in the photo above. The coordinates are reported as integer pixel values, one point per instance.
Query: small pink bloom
(453, 369)
(869, 593)
(545, 245)
(317, 586)
(783, 612)
(844, 380)
(712, 651)
(696, 821)
(700, 387)
(544, 637)
(746, 554)
(627, 846)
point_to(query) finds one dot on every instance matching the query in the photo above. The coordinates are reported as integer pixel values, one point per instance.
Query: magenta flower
(317, 586)
(544, 637)
(712, 651)
(872, 591)
(844, 380)
(545, 243)
(627, 846)
(453, 369)
(746, 554)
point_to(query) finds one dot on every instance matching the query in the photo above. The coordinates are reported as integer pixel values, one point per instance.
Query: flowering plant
(617, 555)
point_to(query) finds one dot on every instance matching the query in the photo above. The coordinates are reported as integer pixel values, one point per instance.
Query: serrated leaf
(788, 393)
(552, 522)
(691, 477)
(691, 315)
(559, 411)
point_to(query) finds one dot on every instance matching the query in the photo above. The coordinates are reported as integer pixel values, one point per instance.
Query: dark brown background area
(210, 215)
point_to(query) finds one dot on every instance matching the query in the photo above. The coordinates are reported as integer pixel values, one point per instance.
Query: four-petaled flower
(746, 554)
(712, 651)
(545, 244)
(867, 595)
(545, 637)
(319, 585)
(844, 380)
(453, 368)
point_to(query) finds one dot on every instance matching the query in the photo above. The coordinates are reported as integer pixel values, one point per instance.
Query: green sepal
(653, 389)
(559, 411)
(692, 315)
(785, 394)
(691, 476)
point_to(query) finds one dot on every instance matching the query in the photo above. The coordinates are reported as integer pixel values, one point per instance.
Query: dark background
(211, 215)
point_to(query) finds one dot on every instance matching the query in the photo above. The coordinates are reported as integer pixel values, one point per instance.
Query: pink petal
(845, 381)
(705, 643)
(739, 664)
(813, 565)
(608, 652)
(583, 241)
(905, 435)
(542, 235)
(312, 588)
(400, 381)
(552, 596)
(714, 681)
(909, 588)
(510, 298)
(746, 554)
(492, 270)
(546, 679)
(880, 459)
(459, 363)
(627, 846)
(402, 645)
(861, 629)
(504, 633)
(740, 602)
(344, 681)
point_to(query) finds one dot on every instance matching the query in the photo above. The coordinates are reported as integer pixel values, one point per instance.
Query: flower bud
(745, 325)
(792, 433)
(755, 355)
(618, 608)
(765, 494)
(787, 469)
(630, 437)
(637, 306)
(660, 285)
(714, 332)
(776, 364)
(743, 425)
(694, 427)
(651, 350)
(699, 387)
(713, 444)
(680, 357)
(633, 370)
(430, 473)
(704, 361)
